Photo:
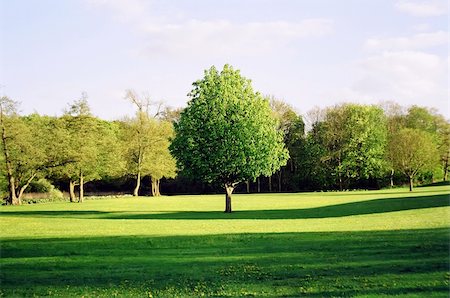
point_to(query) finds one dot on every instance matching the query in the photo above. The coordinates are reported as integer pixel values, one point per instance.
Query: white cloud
(224, 38)
(422, 27)
(405, 76)
(418, 41)
(423, 8)
(177, 36)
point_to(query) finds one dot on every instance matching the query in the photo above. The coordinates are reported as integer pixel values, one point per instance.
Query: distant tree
(429, 121)
(227, 134)
(395, 120)
(412, 151)
(444, 146)
(30, 145)
(350, 143)
(91, 146)
(16, 146)
(292, 127)
(147, 141)
(170, 114)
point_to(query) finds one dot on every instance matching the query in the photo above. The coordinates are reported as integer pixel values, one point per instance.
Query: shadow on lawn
(338, 264)
(339, 210)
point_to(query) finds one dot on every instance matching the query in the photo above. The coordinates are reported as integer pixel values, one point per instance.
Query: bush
(41, 191)
(40, 186)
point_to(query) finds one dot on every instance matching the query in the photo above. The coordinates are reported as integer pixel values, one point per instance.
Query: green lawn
(339, 244)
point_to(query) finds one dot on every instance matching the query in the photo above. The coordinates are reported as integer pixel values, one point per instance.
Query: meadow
(334, 244)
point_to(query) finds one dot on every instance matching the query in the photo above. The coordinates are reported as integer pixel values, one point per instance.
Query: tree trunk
(155, 187)
(12, 199)
(81, 190)
(22, 189)
(446, 168)
(392, 178)
(248, 186)
(158, 193)
(72, 191)
(411, 183)
(270, 183)
(279, 180)
(138, 184)
(228, 191)
(258, 180)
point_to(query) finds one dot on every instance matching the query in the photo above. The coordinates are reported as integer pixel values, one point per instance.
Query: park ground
(335, 244)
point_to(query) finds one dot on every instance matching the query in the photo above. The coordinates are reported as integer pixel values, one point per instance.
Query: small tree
(30, 148)
(412, 151)
(227, 134)
(146, 142)
(84, 139)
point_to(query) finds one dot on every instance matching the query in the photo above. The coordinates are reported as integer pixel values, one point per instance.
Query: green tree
(429, 121)
(227, 134)
(146, 141)
(412, 151)
(30, 148)
(91, 146)
(395, 120)
(350, 143)
(444, 146)
(293, 129)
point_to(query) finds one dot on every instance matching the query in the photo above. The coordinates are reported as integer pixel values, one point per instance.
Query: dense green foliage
(336, 244)
(348, 145)
(412, 151)
(227, 133)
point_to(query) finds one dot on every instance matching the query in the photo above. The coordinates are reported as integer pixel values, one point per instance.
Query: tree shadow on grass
(339, 210)
(338, 264)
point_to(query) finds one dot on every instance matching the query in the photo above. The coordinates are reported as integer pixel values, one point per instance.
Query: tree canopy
(227, 134)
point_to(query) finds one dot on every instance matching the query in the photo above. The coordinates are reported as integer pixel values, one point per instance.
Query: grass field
(337, 244)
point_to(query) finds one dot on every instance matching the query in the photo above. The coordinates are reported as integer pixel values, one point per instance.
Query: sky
(308, 53)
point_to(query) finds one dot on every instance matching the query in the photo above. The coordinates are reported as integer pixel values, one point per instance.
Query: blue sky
(307, 52)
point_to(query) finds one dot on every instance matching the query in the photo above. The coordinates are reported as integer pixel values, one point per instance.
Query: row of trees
(227, 135)
(361, 146)
(78, 148)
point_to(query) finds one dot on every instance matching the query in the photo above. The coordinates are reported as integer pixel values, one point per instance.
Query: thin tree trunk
(411, 183)
(248, 186)
(138, 184)
(12, 199)
(155, 187)
(72, 191)
(22, 189)
(158, 193)
(279, 180)
(270, 183)
(81, 190)
(228, 191)
(446, 168)
(392, 178)
(258, 180)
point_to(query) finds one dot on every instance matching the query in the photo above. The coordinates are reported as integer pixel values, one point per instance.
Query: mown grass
(365, 244)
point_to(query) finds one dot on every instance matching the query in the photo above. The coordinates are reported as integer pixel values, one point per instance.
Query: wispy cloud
(180, 36)
(225, 38)
(422, 8)
(418, 41)
(403, 75)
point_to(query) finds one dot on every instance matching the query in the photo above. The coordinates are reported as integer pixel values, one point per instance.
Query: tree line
(227, 134)
(78, 147)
